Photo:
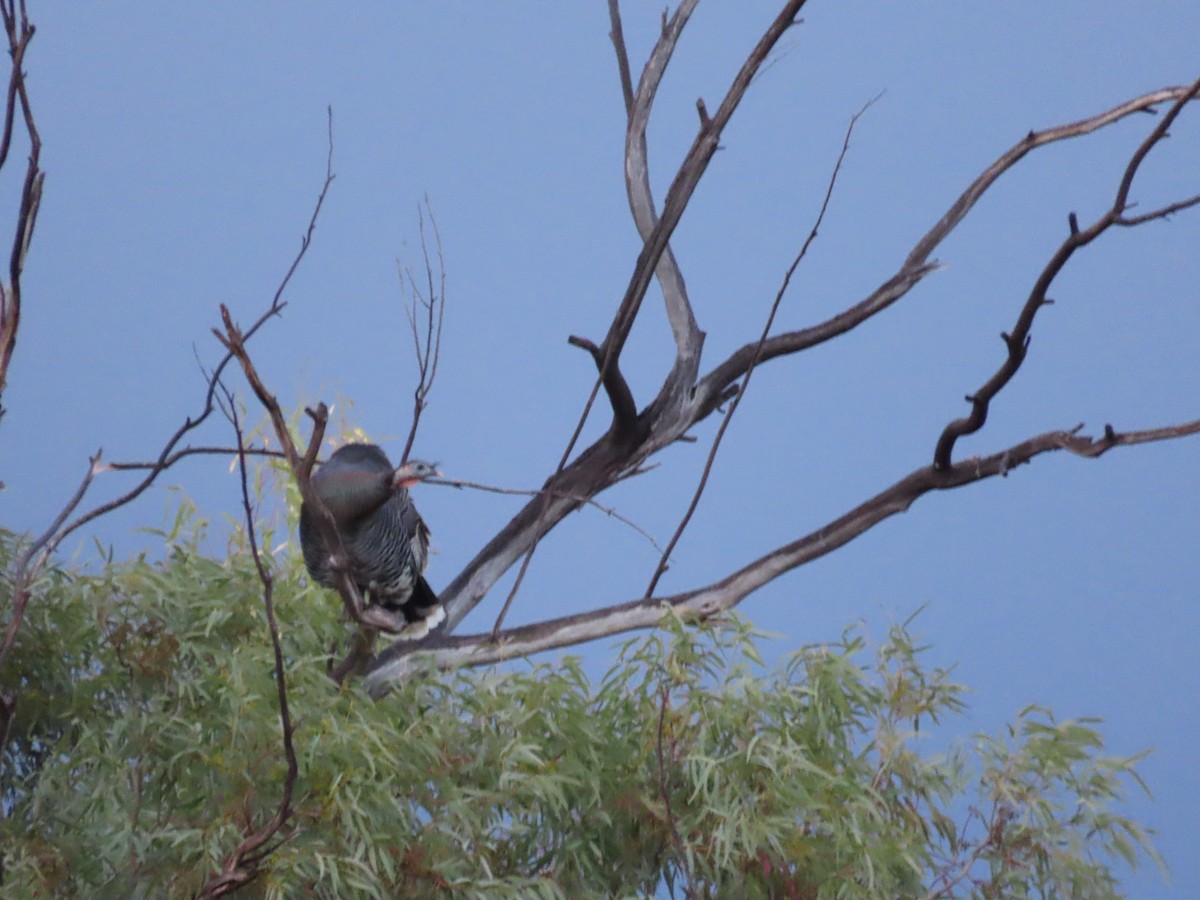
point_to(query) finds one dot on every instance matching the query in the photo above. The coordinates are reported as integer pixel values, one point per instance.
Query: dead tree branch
(683, 400)
(661, 569)
(1017, 342)
(688, 338)
(184, 452)
(19, 31)
(425, 312)
(918, 263)
(243, 864)
(480, 649)
(623, 431)
(704, 145)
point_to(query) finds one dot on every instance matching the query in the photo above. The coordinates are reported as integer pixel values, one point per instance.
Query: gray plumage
(385, 539)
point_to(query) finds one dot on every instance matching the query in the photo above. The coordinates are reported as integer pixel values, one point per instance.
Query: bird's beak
(404, 478)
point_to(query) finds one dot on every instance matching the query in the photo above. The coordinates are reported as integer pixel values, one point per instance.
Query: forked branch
(918, 264)
(681, 401)
(19, 31)
(425, 310)
(1017, 342)
(628, 436)
(694, 165)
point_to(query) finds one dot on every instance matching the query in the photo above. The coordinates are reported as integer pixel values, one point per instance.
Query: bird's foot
(383, 619)
(393, 622)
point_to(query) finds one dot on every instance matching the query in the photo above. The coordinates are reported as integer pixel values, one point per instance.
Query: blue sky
(185, 144)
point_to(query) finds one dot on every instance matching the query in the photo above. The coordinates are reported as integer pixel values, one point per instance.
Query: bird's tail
(422, 611)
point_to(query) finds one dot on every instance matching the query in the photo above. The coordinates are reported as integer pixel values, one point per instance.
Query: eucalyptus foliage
(148, 743)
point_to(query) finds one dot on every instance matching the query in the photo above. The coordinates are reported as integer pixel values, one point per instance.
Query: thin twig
(244, 863)
(664, 791)
(617, 36)
(428, 346)
(191, 423)
(524, 492)
(192, 451)
(737, 399)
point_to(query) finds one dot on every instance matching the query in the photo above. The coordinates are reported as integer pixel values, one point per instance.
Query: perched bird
(385, 539)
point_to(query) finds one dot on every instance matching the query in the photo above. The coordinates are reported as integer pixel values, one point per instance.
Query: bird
(386, 540)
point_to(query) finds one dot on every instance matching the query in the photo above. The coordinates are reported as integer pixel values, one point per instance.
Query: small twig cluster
(425, 310)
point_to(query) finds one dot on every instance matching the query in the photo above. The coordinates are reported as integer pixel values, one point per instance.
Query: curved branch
(20, 32)
(471, 650)
(637, 173)
(688, 177)
(1018, 341)
(918, 263)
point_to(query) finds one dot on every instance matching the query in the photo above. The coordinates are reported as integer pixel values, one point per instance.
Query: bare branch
(191, 451)
(20, 32)
(690, 172)
(524, 492)
(918, 263)
(1163, 212)
(244, 863)
(167, 455)
(620, 397)
(1017, 342)
(617, 36)
(637, 172)
(444, 652)
(433, 307)
(787, 280)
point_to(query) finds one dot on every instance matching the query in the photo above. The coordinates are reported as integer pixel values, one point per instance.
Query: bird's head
(414, 472)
